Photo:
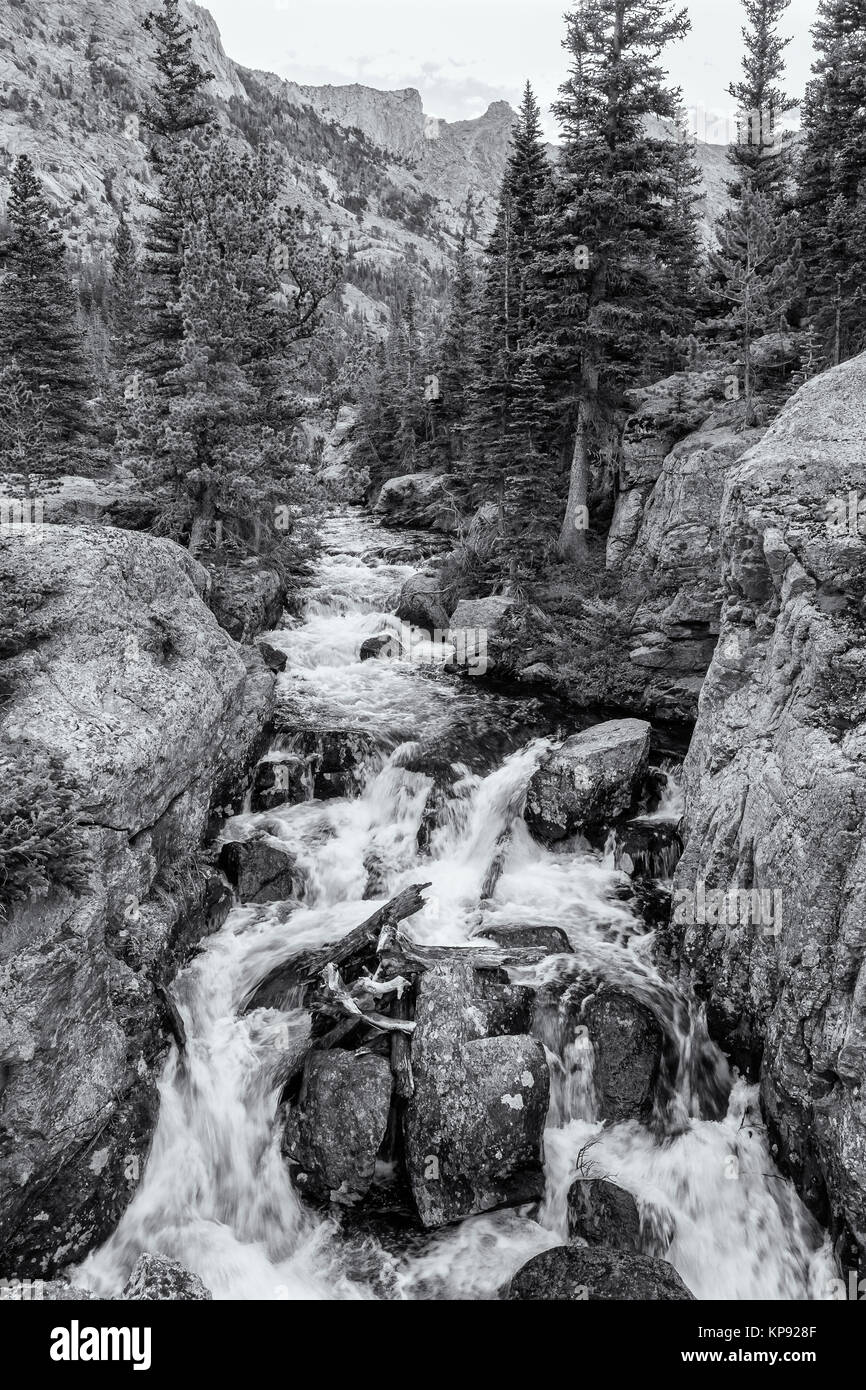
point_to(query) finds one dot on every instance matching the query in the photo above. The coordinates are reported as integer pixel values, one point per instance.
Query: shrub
(42, 843)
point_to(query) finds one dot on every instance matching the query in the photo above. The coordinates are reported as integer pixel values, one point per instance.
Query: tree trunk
(572, 537)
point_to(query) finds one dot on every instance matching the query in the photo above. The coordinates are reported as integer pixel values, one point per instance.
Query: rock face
(590, 780)
(776, 794)
(473, 1127)
(628, 1048)
(421, 604)
(334, 1130)
(603, 1214)
(424, 500)
(157, 1278)
(570, 1275)
(143, 700)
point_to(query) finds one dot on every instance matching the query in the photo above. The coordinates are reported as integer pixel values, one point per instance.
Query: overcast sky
(463, 54)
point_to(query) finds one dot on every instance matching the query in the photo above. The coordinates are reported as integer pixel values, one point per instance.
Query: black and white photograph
(433, 665)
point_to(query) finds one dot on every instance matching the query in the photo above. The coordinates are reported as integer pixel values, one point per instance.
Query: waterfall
(440, 802)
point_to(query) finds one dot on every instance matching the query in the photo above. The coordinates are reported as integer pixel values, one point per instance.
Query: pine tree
(507, 317)
(751, 281)
(615, 233)
(455, 354)
(761, 156)
(176, 113)
(23, 446)
(39, 334)
(251, 293)
(832, 179)
(123, 296)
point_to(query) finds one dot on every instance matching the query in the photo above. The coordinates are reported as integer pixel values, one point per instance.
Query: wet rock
(647, 849)
(335, 1128)
(590, 780)
(274, 659)
(247, 598)
(378, 646)
(628, 1046)
(421, 604)
(603, 1214)
(425, 500)
(260, 871)
(577, 1274)
(314, 764)
(156, 714)
(159, 1279)
(551, 939)
(59, 1291)
(473, 1128)
(775, 793)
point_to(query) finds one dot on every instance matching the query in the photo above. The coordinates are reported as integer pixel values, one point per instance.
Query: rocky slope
(776, 794)
(155, 713)
(388, 183)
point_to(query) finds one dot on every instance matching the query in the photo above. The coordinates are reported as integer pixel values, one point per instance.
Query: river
(216, 1194)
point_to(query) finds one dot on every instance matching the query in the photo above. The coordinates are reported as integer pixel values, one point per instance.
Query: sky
(463, 54)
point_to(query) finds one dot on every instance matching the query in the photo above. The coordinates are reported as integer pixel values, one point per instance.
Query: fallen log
(351, 954)
(408, 958)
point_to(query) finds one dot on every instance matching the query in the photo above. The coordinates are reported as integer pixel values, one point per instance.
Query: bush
(42, 843)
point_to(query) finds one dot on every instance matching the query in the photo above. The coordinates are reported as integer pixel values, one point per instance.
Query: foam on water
(216, 1194)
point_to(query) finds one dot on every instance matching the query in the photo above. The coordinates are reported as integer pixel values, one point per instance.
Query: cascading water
(216, 1194)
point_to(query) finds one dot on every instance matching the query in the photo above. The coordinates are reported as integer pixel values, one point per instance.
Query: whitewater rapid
(216, 1194)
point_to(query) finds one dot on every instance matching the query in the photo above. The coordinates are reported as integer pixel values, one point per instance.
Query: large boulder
(776, 797)
(136, 701)
(423, 500)
(627, 1041)
(480, 614)
(158, 1279)
(247, 598)
(601, 1213)
(576, 1274)
(421, 604)
(334, 1129)
(551, 939)
(590, 780)
(473, 1127)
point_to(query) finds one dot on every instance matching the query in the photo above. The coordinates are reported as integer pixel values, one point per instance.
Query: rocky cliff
(776, 793)
(380, 178)
(138, 699)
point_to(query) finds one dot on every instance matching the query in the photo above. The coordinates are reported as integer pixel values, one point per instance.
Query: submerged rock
(603, 1214)
(580, 1274)
(335, 1128)
(158, 1278)
(551, 939)
(473, 1128)
(590, 780)
(259, 870)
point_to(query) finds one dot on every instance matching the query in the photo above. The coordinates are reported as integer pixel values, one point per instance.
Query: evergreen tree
(750, 281)
(507, 319)
(455, 355)
(832, 179)
(251, 294)
(176, 112)
(39, 334)
(760, 157)
(616, 232)
(23, 445)
(123, 297)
